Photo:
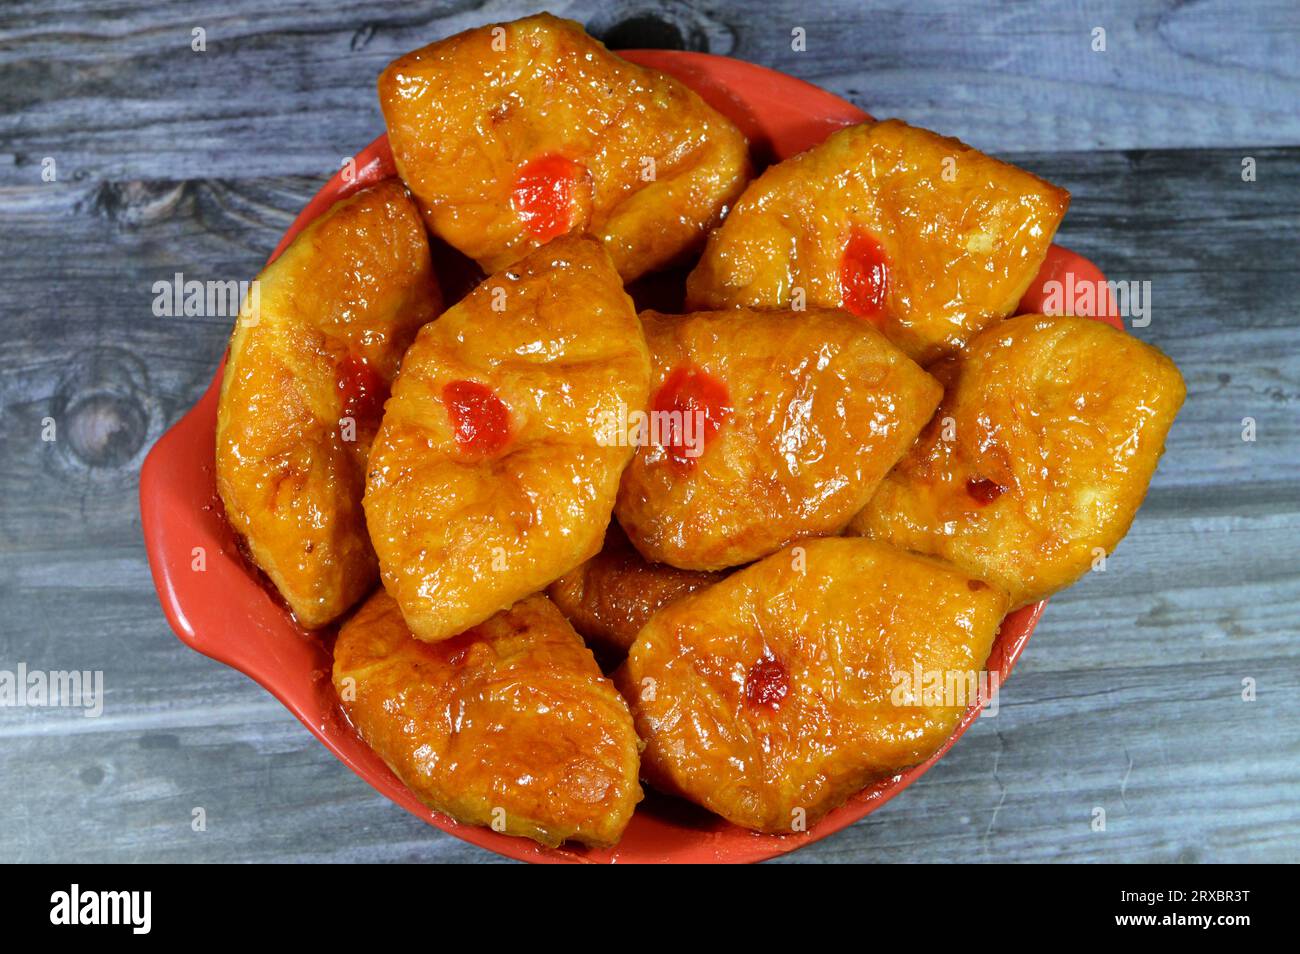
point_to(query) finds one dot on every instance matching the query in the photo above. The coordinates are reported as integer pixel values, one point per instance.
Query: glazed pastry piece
(512, 134)
(491, 476)
(764, 427)
(510, 724)
(917, 233)
(304, 389)
(611, 596)
(773, 696)
(1039, 456)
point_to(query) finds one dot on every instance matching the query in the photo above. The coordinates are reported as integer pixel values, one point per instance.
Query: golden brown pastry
(509, 725)
(774, 695)
(609, 598)
(917, 233)
(514, 133)
(772, 426)
(1039, 456)
(304, 388)
(491, 476)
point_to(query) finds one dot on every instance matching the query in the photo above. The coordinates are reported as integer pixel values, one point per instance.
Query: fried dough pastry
(774, 695)
(1039, 456)
(609, 598)
(512, 134)
(509, 725)
(765, 427)
(304, 389)
(490, 476)
(922, 235)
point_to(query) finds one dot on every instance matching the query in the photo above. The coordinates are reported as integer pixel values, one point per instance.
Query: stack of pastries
(572, 548)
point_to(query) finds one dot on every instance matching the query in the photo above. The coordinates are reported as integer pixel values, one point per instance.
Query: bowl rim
(375, 163)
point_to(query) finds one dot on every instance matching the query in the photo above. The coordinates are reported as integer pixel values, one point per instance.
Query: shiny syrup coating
(464, 523)
(774, 695)
(303, 392)
(611, 596)
(509, 724)
(478, 121)
(1056, 425)
(959, 236)
(819, 408)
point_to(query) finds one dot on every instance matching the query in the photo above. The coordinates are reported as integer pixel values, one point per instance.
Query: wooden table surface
(1129, 697)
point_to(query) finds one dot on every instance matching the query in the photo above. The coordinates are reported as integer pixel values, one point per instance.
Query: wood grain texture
(114, 90)
(1128, 698)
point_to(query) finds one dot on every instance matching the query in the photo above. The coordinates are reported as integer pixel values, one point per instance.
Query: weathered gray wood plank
(1204, 592)
(114, 90)
(1021, 786)
(1128, 696)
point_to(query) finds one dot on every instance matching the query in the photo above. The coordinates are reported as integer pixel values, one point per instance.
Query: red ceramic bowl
(225, 611)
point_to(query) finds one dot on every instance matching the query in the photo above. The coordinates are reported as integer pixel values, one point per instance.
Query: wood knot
(134, 203)
(105, 430)
(92, 775)
(644, 31)
(642, 26)
(104, 411)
